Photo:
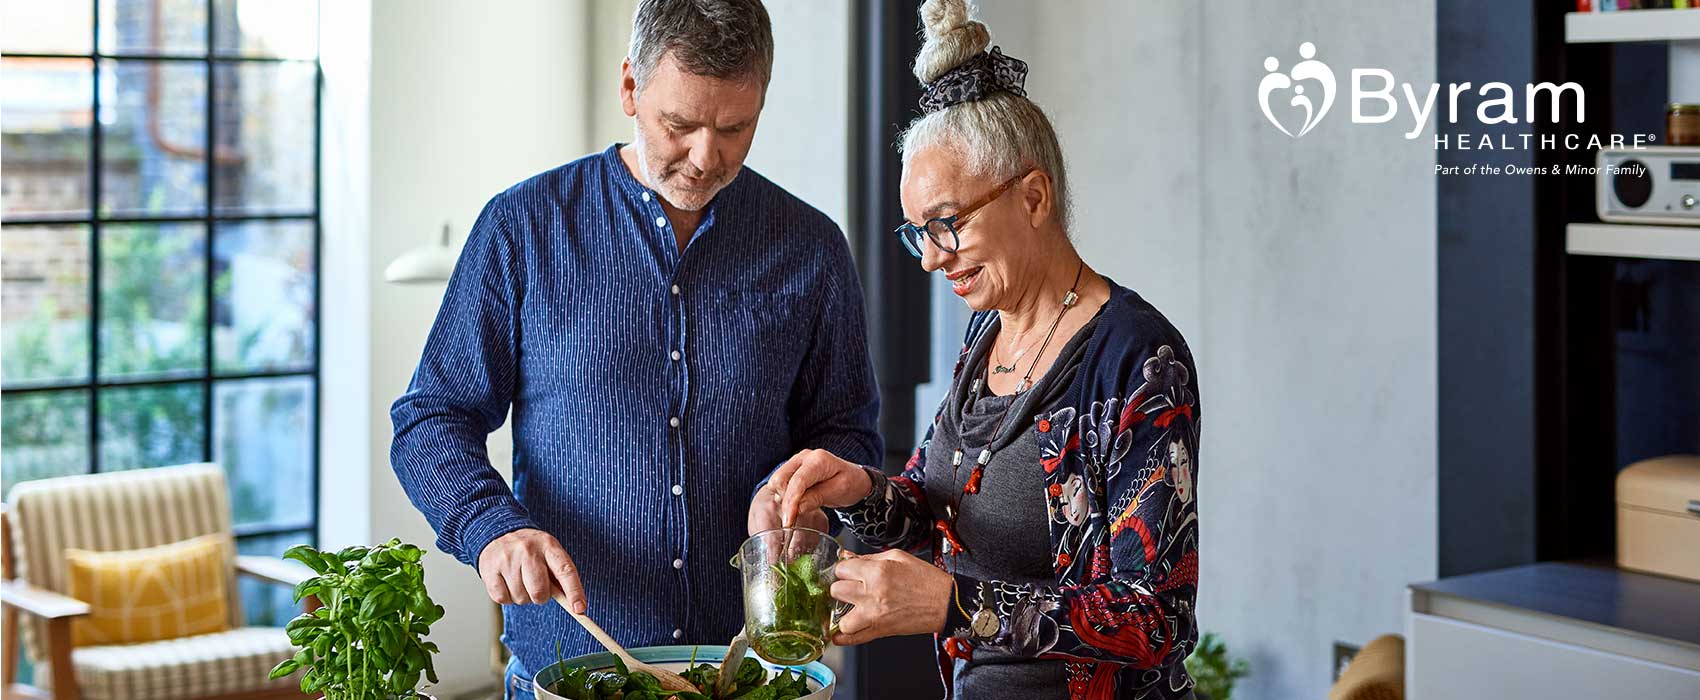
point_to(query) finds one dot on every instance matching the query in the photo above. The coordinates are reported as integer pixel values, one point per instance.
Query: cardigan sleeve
(1128, 568)
(896, 513)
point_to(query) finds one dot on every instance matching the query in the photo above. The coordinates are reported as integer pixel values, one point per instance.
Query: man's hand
(528, 566)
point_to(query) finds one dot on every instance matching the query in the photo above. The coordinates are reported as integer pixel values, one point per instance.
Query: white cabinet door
(1448, 659)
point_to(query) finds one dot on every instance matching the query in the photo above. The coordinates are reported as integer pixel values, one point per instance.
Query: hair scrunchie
(980, 77)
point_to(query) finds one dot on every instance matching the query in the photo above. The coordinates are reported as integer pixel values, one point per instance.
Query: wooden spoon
(729, 665)
(669, 680)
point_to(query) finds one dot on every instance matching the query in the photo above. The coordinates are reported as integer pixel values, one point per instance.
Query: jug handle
(839, 610)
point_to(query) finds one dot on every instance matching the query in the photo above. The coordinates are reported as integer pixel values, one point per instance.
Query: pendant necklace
(947, 527)
(1013, 361)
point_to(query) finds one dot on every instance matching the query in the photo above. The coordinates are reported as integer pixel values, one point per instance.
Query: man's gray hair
(724, 39)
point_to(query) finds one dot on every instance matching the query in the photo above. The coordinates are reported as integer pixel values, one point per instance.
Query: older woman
(1054, 492)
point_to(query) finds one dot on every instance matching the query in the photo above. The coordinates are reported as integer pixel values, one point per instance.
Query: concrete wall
(1301, 271)
(1319, 362)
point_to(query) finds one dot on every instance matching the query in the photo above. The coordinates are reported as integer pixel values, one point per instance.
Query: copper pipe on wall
(221, 155)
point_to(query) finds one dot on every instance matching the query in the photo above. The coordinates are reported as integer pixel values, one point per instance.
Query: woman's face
(999, 245)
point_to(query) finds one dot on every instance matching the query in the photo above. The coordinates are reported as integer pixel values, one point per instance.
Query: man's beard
(685, 199)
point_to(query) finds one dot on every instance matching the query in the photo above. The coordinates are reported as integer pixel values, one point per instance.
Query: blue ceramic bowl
(677, 658)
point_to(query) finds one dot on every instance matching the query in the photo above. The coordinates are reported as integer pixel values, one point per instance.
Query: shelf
(1634, 241)
(1632, 25)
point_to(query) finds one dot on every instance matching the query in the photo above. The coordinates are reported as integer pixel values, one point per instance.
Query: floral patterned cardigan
(1120, 461)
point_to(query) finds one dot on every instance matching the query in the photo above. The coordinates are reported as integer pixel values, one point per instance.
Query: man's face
(693, 131)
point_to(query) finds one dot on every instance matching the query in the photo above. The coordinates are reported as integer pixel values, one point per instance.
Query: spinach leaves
(749, 683)
(801, 608)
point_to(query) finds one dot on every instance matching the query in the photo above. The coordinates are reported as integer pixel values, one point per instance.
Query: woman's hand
(764, 513)
(894, 594)
(813, 479)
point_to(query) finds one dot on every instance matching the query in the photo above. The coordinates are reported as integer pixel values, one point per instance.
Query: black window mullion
(53, 220)
(318, 272)
(158, 381)
(95, 136)
(207, 278)
(97, 55)
(258, 530)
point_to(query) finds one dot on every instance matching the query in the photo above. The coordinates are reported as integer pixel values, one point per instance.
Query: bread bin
(1658, 516)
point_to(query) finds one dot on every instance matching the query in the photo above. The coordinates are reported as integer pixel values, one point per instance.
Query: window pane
(268, 604)
(264, 440)
(153, 115)
(278, 28)
(152, 302)
(44, 162)
(151, 426)
(46, 26)
(44, 303)
(263, 295)
(265, 137)
(168, 27)
(45, 434)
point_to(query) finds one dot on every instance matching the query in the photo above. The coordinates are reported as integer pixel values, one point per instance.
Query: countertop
(1644, 604)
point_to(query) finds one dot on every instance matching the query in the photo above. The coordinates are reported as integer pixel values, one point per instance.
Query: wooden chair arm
(279, 571)
(40, 602)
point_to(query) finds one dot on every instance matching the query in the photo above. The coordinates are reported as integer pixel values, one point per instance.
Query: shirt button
(678, 634)
(676, 355)
(675, 290)
(646, 196)
(674, 421)
(661, 222)
(678, 490)
(678, 563)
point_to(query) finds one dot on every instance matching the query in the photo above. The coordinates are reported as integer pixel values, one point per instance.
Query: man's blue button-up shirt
(651, 390)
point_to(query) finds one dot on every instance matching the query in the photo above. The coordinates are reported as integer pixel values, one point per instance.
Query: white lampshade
(422, 265)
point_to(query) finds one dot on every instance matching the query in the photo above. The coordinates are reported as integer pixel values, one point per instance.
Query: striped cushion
(187, 667)
(114, 511)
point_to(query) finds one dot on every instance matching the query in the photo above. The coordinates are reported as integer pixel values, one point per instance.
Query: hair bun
(951, 38)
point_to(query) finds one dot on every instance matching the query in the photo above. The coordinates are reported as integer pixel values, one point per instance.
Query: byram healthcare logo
(1308, 69)
(1292, 96)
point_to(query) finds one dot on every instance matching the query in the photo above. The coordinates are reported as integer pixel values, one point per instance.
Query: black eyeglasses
(942, 229)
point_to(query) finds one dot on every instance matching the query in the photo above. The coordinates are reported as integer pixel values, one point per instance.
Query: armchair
(121, 511)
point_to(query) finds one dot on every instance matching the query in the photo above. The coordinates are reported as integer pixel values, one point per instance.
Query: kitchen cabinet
(1553, 630)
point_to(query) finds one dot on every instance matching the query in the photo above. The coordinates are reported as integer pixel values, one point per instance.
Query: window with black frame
(159, 250)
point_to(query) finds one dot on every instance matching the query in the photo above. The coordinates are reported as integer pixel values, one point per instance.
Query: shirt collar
(632, 187)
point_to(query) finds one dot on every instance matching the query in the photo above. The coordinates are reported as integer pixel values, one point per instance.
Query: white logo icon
(1308, 69)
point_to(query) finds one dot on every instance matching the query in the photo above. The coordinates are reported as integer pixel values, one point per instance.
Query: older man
(667, 327)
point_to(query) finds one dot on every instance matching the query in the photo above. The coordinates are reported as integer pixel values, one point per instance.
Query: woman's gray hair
(996, 137)
(723, 39)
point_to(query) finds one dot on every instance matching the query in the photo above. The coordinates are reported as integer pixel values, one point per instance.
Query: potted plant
(1214, 672)
(367, 640)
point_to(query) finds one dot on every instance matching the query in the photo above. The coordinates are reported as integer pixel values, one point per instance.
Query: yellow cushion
(142, 595)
